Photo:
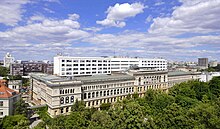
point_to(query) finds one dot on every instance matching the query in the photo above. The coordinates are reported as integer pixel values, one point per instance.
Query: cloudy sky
(172, 29)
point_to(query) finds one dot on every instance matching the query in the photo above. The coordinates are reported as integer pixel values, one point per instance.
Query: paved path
(35, 123)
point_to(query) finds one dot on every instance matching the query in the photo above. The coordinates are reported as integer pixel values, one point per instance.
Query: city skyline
(174, 29)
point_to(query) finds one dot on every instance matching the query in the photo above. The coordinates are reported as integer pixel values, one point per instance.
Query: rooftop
(53, 80)
(6, 92)
(179, 73)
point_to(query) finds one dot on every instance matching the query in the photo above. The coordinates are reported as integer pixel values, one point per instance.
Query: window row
(66, 91)
(70, 65)
(108, 92)
(66, 100)
(70, 69)
(85, 60)
(107, 86)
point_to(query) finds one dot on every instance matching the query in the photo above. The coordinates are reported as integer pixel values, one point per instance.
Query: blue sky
(172, 29)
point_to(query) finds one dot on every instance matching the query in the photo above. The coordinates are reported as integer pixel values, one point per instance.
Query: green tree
(4, 71)
(21, 107)
(100, 120)
(214, 85)
(15, 122)
(78, 106)
(105, 106)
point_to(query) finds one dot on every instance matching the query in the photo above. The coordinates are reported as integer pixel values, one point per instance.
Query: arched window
(89, 95)
(67, 99)
(100, 93)
(139, 81)
(66, 91)
(97, 94)
(72, 99)
(71, 90)
(61, 100)
(93, 94)
(85, 96)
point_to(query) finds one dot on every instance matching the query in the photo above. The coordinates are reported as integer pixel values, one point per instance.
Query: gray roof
(179, 73)
(102, 78)
(52, 80)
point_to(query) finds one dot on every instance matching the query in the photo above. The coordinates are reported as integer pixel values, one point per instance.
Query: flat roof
(101, 78)
(53, 80)
(180, 73)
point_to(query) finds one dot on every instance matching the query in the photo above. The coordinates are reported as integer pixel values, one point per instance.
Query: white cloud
(11, 11)
(44, 36)
(199, 16)
(159, 3)
(119, 12)
(73, 16)
(149, 19)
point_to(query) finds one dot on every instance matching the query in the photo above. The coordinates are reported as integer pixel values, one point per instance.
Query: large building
(60, 93)
(8, 97)
(78, 66)
(207, 76)
(177, 77)
(81, 66)
(26, 67)
(203, 62)
(8, 60)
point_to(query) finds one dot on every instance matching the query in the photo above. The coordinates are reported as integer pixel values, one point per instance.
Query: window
(61, 100)
(93, 94)
(72, 99)
(67, 109)
(89, 95)
(67, 99)
(61, 110)
(1, 103)
(84, 95)
(1, 113)
(97, 94)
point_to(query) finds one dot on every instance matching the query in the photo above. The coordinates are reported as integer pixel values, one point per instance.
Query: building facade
(60, 93)
(207, 76)
(81, 66)
(177, 77)
(203, 62)
(15, 85)
(8, 97)
(8, 60)
(25, 67)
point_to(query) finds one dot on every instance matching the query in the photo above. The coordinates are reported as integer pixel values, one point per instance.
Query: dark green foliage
(15, 122)
(21, 108)
(188, 105)
(4, 71)
(105, 106)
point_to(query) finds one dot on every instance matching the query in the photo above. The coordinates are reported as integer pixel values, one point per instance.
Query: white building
(60, 93)
(15, 85)
(205, 77)
(8, 60)
(77, 66)
(8, 97)
(120, 64)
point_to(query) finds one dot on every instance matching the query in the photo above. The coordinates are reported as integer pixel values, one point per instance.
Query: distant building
(8, 97)
(203, 63)
(85, 66)
(8, 60)
(59, 93)
(207, 76)
(213, 63)
(176, 77)
(15, 85)
(25, 67)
